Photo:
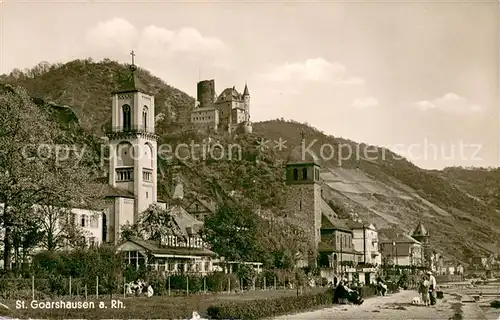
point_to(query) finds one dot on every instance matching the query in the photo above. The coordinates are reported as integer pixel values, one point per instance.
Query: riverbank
(459, 303)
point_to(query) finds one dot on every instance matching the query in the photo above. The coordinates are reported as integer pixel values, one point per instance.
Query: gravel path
(396, 306)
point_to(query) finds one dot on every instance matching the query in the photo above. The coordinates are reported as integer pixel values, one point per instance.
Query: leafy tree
(154, 224)
(232, 232)
(33, 170)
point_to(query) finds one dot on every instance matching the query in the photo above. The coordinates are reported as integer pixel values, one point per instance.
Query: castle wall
(205, 118)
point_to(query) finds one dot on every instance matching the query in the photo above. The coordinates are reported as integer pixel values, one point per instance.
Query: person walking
(424, 290)
(432, 288)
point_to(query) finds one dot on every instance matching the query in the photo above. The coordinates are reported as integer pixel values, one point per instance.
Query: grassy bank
(157, 307)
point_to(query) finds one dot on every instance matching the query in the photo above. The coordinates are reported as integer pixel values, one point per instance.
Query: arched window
(145, 117)
(304, 173)
(127, 119)
(295, 174)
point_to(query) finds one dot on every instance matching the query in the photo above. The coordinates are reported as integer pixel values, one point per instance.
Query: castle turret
(246, 103)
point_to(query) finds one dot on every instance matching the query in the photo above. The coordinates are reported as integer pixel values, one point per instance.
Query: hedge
(264, 308)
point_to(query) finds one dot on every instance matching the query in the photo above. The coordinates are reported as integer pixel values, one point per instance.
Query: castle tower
(303, 204)
(132, 141)
(246, 103)
(205, 93)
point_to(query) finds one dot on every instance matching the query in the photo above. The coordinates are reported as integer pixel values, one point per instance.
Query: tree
(35, 169)
(154, 224)
(285, 241)
(232, 232)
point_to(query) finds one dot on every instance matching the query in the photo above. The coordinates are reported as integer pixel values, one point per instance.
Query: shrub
(220, 281)
(265, 308)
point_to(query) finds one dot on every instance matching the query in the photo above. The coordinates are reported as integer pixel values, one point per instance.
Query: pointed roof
(420, 231)
(301, 155)
(245, 91)
(131, 83)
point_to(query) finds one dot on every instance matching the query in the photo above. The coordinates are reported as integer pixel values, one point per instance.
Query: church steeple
(131, 83)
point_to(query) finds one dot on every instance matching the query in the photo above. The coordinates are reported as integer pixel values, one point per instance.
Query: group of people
(136, 288)
(427, 289)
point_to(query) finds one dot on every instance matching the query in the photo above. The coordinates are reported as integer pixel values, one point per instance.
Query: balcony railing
(130, 129)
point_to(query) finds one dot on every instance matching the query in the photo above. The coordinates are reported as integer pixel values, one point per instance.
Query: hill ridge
(460, 224)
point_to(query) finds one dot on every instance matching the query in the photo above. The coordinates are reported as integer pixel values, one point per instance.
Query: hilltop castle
(230, 111)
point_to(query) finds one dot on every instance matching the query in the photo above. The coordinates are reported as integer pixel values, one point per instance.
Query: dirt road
(396, 306)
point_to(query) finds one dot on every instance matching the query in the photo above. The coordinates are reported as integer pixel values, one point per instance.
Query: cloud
(115, 36)
(363, 103)
(313, 70)
(449, 103)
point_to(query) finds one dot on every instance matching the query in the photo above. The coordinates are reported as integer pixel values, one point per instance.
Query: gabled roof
(229, 94)
(328, 223)
(389, 236)
(186, 222)
(111, 192)
(354, 224)
(153, 248)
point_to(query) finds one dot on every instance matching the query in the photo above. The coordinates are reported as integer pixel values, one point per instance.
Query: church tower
(132, 141)
(303, 205)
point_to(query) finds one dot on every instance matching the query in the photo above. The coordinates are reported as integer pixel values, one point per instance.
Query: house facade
(365, 240)
(400, 249)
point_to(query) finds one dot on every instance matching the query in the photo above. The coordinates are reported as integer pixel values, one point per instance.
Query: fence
(89, 288)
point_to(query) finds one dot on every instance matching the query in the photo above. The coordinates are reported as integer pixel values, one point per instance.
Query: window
(127, 120)
(84, 221)
(94, 222)
(104, 227)
(124, 175)
(147, 175)
(300, 204)
(146, 195)
(145, 117)
(295, 174)
(304, 173)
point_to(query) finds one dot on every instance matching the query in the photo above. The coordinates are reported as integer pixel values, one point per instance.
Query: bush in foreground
(263, 308)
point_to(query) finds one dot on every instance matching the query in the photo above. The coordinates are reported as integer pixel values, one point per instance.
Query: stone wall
(303, 206)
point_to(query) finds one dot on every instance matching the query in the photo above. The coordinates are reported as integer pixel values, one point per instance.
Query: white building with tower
(132, 147)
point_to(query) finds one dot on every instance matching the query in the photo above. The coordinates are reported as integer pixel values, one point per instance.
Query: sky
(421, 78)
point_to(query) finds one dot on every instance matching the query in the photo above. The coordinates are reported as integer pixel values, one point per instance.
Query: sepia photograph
(238, 159)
